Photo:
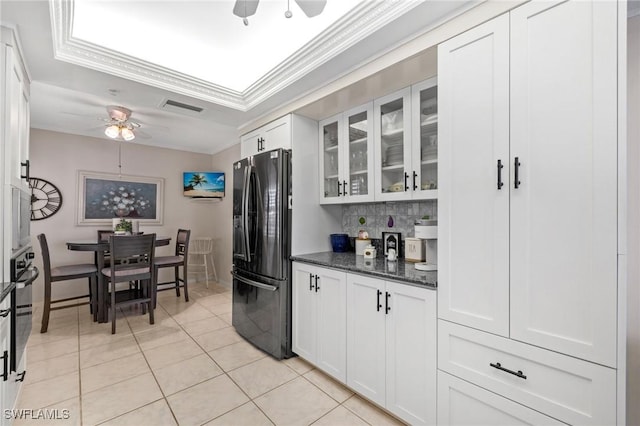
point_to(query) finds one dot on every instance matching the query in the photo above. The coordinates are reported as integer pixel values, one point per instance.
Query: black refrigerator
(261, 250)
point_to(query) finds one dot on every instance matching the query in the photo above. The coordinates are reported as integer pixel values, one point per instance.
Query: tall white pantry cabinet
(528, 213)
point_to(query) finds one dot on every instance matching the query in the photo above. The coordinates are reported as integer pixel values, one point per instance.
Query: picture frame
(103, 197)
(391, 240)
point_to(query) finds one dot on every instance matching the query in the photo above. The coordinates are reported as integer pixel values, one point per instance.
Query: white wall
(220, 216)
(633, 221)
(57, 157)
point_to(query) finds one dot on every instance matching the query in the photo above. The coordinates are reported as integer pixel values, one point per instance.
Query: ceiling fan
(246, 8)
(118, 125)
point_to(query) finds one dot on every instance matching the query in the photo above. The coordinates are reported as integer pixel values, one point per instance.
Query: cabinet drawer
(568, 389)
(461, 403)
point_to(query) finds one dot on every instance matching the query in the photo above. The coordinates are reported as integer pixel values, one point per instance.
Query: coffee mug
(391, 254)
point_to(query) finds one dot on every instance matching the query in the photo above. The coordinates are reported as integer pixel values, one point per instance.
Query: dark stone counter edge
(373, 273)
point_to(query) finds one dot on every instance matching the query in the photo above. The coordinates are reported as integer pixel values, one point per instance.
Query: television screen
(203, 184)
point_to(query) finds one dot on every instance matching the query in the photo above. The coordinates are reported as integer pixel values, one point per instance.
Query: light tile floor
(190, 368)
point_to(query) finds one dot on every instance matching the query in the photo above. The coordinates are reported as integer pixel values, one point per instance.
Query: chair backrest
(134, 253)
(182, 242)
(201, 245)
(46, 260)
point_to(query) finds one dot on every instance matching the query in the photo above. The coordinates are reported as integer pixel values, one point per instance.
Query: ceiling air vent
(176, 106)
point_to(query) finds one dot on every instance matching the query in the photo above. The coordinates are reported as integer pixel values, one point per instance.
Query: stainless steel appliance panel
(21, 219)
(260, 314)
(261, 219)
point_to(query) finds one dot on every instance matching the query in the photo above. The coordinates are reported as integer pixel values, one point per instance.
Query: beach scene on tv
(204, 184)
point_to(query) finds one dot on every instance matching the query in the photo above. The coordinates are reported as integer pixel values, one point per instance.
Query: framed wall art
(105, 196)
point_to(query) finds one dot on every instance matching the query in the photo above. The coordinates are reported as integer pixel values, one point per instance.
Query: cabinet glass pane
(331, 159)
(392, 146)
(358, 138)
(429, 138)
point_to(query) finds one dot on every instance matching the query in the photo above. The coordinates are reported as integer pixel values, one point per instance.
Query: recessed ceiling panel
(203, 39)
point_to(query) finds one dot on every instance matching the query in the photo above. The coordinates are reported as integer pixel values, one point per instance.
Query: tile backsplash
(376, 215)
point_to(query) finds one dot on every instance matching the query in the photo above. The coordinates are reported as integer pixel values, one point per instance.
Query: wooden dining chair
(103, 235)
(132, 259)
(180, 258)
(65, 273)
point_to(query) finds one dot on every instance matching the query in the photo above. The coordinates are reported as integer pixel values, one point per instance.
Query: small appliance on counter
(414, 249)
(423, 249)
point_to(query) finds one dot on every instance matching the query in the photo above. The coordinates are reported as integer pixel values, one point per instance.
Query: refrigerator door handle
(245, 214)
(253, 283)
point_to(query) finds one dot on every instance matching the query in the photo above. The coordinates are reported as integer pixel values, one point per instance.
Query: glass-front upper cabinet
(346, 156)
(424, 119)
(393, 146)
(358, 153)
(330, 160)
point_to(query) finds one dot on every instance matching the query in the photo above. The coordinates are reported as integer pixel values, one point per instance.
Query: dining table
(100, 247)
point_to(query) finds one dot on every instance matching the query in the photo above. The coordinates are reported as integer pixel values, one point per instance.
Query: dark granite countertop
(378, 267)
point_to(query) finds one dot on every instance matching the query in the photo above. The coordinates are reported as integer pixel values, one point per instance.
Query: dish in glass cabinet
(396, 187)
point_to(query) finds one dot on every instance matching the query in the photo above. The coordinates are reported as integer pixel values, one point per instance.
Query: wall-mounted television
(203, 184)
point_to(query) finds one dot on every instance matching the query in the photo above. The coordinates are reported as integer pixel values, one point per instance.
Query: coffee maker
(424, 247)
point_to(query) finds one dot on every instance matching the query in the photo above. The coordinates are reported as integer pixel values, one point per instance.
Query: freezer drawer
(260, 314)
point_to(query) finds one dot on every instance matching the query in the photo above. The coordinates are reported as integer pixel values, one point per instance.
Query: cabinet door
(358, 153)
(331, 174)
(17, 115)
(473, 209)
(250, 144)
(303, 315)
(366, 337)
(424, 124)
(331, 320)
(564, 210)
(277, 134)
(392, 115)
(461, 403)
(8, 387)
(411, 353)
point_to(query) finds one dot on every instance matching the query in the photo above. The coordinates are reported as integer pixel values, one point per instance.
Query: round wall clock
(46, 198)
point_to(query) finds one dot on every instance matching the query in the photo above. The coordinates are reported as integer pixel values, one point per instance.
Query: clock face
(46, 199)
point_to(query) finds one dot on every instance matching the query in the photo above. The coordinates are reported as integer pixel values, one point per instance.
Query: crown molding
(352, 28)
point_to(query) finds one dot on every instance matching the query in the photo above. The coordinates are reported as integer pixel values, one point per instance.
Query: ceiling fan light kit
(245, 8)
(119, 124)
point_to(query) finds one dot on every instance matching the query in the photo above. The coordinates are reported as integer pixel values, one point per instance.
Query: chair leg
(47, 307)
(152, 300)
(113, 308)
(206, 269)
(184, 282)
(213, 266)
(177, 284)
(93, 283)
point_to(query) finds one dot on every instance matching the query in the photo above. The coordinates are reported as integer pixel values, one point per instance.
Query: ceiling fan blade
(140, 134)
(244, 8)
(312, 8)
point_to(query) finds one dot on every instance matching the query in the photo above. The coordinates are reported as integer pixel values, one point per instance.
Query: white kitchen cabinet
(5, 386)
(473, 208)
(391, 346)
(392, 114)
(15, 112)
(569, 389)
(564, 210)
(424, 141)
(533, 259)
(461, 403)
(319, 317)
(528, 204)
(346, 156)
(276, 134)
